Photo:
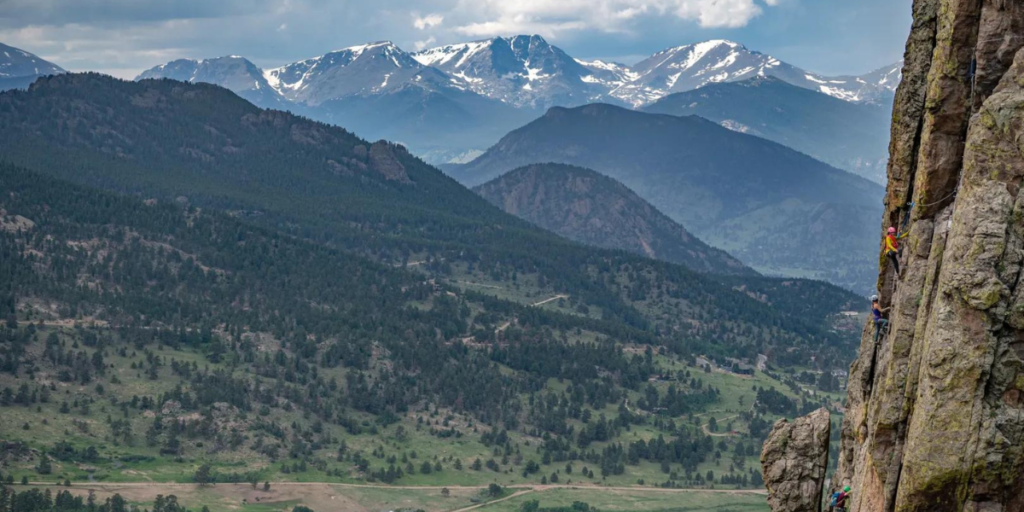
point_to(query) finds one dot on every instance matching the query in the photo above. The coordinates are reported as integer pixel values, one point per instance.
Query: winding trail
(510, 496)
(552, 299)
(704, 427)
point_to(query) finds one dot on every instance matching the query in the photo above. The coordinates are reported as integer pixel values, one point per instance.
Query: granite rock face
(935, 409)
(794, 461)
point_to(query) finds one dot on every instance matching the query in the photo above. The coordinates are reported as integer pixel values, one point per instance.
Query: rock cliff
(935, 410)
(794, 461)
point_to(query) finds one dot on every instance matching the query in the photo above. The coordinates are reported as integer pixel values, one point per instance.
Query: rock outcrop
(794, 460)
(384, 158)
(935, 410)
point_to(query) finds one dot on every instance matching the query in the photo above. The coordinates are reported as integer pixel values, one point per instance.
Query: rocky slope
(585, 206)
(935, 417)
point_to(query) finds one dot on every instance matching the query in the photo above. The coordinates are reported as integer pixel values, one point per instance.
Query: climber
(880, 322)
(842, 499)
(892, 248)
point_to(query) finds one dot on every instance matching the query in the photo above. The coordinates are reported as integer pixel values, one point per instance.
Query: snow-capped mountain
(363, 70)
(447, 101)
(524, 71)
(19, 68)
(233, 72)
(377, 90)
(689, 67)
(871, 87)
(527, 71)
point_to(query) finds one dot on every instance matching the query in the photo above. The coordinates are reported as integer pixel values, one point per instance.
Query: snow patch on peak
(270, 75)
(444, 54)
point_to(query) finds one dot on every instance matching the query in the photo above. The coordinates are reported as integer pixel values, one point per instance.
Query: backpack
(835, 499)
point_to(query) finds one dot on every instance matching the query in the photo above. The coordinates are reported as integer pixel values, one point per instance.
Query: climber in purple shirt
(880, 322)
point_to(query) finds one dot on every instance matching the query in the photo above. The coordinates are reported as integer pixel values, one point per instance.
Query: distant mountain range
(774, 208)
(844, 134)
(376, 90)
(692, 66)
(588, 207)
(444, 102)
(19, 68)
(527, 71)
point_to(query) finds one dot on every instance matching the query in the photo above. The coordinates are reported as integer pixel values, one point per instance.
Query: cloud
(59, 12)
(719, 13)
(422, 45)
(501, 17)
(428, 21)
(518, 26)
(133, 35)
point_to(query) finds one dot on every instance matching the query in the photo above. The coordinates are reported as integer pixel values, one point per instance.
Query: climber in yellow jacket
(892, 248)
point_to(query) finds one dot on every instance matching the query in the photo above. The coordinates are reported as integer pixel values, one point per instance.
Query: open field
(283, 496)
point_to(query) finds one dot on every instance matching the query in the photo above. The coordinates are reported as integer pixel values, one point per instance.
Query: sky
(125, 37)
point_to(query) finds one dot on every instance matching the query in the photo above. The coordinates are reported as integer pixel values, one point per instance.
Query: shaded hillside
(202, 145)
(850, 136)
(775, 209)
(587, 207)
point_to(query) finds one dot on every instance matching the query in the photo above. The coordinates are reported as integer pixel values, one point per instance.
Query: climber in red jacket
(892, 248)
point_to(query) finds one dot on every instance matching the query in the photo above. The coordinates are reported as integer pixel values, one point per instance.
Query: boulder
(794, 461)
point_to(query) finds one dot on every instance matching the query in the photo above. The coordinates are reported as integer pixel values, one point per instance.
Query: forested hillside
(281, 300)
(203, 146)
(200, 338)
(585, 206)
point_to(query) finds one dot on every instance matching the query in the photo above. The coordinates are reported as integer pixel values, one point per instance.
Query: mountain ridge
(748, 196)
(847, 135)
(483, 89)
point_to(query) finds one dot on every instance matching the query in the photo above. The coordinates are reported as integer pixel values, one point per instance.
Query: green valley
(211, 301)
